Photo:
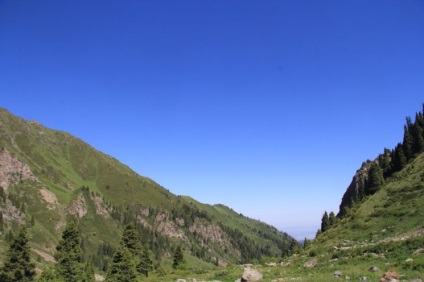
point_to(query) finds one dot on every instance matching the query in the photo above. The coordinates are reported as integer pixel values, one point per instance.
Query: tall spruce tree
(123, 267)
(375, 179)
(131, 240)
(18, 265)
(178, 257)
(145, 265)
(69, 255)
(399, 159)
(325, 222)
(332, 219)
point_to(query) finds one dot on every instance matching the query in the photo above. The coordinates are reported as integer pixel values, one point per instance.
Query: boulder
(251, 275)
(373, 269)
(337, 274)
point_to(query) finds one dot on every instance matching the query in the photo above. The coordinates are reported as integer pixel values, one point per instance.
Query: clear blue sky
(268, 107)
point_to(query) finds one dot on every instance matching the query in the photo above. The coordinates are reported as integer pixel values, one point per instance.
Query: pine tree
(49, 275)
(325, 222)
(408, 140)
(69, 255)
(398, 160)
(178, 257)
(123, 267)
(18, 265)
(131, 240)
(375, 179)
(146, 264)
(332, 219)
(89, 272)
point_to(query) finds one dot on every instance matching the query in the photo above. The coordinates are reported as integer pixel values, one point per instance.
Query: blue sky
(268, 107)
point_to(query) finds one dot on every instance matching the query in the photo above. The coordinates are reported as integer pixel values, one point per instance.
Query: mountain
(49, 176)
(380, 221)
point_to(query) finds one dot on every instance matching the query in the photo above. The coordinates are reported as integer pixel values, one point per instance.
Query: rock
(180, 280)
(373, 269)
(278, 280)
(347, 277)
(390, 276)
(409, 260)
(251, 275)
(363, 278)
(337, 274)
(416, 280)
(310, 263)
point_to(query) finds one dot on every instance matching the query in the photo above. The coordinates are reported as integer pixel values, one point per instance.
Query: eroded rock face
(101, 208)
(78, 206)
(12, 170)
(167, 227)
(356, 187)
(12, 213)
(212, 232)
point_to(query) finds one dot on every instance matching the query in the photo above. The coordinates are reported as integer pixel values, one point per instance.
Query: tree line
(130, 261)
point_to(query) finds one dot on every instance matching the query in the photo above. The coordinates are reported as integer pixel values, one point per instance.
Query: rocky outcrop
(212, 232)
(100, 207)
(78, 206)
(50, 198)
(167, 227)
(12, 213)
(12, 170)
(355, 191)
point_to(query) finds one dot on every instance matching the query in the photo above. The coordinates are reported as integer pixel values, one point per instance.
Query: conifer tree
(123, 267)
(398, 160)
(131, 240)
(306, 243)
(69, 255)
(408, 141)
(49, 275)
(332, 219)
(375, 179)
(18, 265)
(146, 264)
(178, 257)
(325, 222)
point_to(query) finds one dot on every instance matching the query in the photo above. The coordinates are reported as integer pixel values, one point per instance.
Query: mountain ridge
(49, 176)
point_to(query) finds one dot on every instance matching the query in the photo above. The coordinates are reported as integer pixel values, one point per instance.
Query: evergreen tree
(408, 141)
(49, 275)
(375, 179)
(123, 267)
(418, 133)
(18, 265)
(306, 243)
(325, 222)
(384, 162)
(398, 160)
(145, 265)
(178, 257)
(69, 255)
(332, 219)
(89, 272)
(131, 240)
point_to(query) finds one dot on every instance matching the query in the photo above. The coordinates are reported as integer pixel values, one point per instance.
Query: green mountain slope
(380, 222)
(48, 176)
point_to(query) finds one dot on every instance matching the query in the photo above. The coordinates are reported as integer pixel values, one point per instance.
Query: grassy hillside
(48, 176)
